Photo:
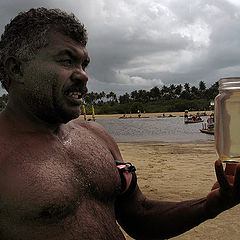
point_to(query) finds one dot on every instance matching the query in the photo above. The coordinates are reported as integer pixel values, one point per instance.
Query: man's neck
(23, 120)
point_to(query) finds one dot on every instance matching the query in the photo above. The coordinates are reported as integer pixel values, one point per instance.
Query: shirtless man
(58, 176)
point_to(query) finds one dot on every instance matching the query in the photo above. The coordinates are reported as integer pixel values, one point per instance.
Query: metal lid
(231, 83)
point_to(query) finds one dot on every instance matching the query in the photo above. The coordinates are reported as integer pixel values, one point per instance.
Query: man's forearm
(168, 219)
(160, 220)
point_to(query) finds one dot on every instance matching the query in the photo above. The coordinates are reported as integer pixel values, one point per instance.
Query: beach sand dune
(177, 172)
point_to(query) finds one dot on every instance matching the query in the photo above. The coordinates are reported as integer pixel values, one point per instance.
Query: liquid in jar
(227, 120)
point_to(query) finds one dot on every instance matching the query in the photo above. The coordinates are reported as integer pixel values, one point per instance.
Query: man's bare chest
(53, 178)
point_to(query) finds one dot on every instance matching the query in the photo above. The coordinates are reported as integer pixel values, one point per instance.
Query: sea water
(227, 124)
(154, 129)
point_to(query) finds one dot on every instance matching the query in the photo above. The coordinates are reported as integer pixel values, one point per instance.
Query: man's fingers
(230, 169)
(223, 182)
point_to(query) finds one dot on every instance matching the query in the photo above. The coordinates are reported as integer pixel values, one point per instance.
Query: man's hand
(226, 192)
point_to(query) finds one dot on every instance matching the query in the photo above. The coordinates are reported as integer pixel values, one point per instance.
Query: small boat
(138, 116)
(164, 116)
(192, 120)
(208, 127)
(207, 131)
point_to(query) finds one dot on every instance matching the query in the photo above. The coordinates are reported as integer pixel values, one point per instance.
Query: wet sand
(177, 172)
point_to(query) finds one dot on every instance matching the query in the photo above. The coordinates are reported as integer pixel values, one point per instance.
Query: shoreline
(149, 115)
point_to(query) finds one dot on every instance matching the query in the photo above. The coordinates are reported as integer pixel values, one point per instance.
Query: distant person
(139, 113)
(210, 122)
(61, 178)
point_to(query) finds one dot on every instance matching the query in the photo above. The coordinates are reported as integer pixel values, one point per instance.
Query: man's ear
(13, 67)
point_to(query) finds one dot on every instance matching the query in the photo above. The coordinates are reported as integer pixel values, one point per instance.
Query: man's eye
(66, 62)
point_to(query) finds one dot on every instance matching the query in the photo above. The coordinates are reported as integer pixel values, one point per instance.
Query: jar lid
(230, 83)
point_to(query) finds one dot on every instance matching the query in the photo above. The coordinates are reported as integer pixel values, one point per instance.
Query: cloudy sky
(139, 44)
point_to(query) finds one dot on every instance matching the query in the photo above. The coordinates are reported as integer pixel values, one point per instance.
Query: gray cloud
(136, 44)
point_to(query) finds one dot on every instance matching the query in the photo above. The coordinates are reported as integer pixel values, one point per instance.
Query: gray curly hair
(27, 32)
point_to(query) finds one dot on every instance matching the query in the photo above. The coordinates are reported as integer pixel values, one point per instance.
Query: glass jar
(227, 120)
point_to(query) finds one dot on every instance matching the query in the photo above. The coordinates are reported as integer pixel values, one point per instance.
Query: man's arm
(142, 218)
(147, 219)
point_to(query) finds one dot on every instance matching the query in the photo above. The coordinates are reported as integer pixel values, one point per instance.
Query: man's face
(56, 79)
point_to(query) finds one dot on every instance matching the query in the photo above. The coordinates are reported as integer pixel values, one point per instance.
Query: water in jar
(227, 126)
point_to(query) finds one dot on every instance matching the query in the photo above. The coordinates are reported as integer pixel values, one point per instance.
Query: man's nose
(79, 75)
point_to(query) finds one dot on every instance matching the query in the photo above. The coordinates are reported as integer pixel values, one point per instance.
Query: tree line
(156, 94)
(172, 98)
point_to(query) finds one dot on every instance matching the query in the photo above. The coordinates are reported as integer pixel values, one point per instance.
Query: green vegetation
(173, 98)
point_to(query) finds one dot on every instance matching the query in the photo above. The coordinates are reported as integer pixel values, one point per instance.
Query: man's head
(27, 33)
(43, 64)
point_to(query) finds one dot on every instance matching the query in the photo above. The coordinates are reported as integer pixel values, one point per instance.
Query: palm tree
(112, 96)
(134, 95)
(172, 89)
(202, 88)
(91, 98)
(187, 87)
(186, 92)
(165, 91)
(195, 92)
(212, 92)
(178, 90)
(124, 99)
(102, 94)
(155, 94)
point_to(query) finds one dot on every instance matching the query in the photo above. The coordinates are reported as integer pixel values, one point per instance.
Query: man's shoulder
(94, 128)
(99, 133)
(88, 125)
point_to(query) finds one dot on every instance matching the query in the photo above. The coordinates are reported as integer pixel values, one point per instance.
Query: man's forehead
(59, 42)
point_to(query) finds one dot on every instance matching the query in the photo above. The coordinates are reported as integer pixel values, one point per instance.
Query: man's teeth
(76, 95)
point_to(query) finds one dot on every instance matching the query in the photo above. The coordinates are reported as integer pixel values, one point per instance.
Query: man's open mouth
(75, 95)
(75, 98)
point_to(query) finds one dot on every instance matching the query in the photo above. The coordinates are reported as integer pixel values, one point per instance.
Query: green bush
(172, 105)
(136, 106)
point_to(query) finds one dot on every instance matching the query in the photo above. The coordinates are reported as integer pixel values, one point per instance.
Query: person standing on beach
(61, 178)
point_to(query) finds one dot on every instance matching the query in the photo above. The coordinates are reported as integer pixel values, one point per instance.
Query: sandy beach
(177, 172)
(150, 115)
